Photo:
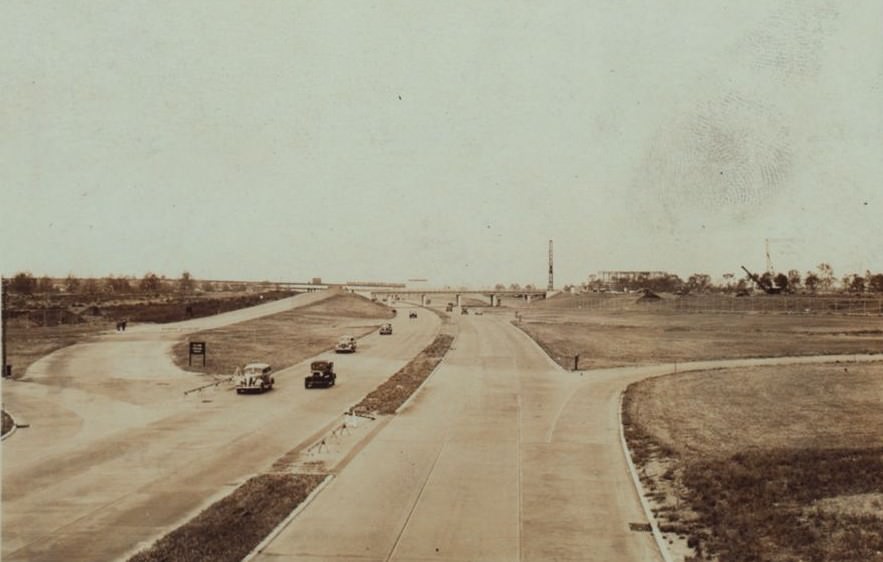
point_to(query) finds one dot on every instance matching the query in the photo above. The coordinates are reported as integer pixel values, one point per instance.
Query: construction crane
(765, 285)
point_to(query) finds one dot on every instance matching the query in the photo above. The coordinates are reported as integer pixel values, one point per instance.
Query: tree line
(820, 280)
(25, 283)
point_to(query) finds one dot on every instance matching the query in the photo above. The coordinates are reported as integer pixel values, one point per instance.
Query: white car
(347, 344)
(255, 376)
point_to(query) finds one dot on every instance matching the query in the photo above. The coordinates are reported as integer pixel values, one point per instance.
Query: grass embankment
(605, 339)
(28, 339)
(286, 338)
(28, 344)
(232, 527)
(774, 463)
(8, 424)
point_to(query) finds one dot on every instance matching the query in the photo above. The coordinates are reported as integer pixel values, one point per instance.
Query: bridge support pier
(459, 300)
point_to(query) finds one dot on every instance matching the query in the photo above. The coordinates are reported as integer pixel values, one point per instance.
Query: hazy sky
(381, 140)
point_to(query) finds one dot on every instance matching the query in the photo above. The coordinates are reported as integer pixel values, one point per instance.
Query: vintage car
(386, 330)
(347, 344)
(254, 377)
(412, 315)
(321, 374)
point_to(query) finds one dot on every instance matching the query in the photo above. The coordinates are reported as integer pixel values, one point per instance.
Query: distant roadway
(116, 455)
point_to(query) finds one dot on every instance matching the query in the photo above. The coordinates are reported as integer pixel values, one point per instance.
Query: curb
(285, 522)
(417, 390)
(551, 361)
(15, 425)
(648, 513)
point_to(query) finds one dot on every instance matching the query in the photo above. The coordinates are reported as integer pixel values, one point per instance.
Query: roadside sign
(196, 348)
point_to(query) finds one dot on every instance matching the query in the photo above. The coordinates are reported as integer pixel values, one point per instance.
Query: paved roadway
(116, 455)
(502, 456)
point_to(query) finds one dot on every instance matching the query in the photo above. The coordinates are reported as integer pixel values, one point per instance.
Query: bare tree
(45, 285)
(23, 283)
(811, 281)
(72, 284)
(150, 283)
(186, 283)
(826, 276)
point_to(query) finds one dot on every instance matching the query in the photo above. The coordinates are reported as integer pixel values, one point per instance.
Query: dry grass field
(286, 338)
(775, 463)
(611, 339)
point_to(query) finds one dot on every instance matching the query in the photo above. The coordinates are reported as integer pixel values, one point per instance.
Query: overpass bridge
(493, 295)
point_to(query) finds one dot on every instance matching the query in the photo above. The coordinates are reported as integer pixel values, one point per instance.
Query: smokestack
(551, 285)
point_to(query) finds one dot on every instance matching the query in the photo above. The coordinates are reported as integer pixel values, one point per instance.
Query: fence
(760, 304)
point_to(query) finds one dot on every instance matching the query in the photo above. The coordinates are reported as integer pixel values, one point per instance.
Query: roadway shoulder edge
(639, 489)
(285, 522)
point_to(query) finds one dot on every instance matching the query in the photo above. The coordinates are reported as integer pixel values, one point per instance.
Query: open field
(608, 339)
(773, 463)
(285, 338)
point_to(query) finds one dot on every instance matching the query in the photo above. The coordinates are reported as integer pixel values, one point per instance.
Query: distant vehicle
(449, 307)
(347, 344)
(321, 374)
(464, 310)
(255, 376)
(386, 330)
(412, 315)
(478, 313)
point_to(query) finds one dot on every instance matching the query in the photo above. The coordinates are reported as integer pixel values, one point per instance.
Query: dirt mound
(649, 296)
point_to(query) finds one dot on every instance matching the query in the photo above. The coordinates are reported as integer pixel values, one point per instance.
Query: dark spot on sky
(400, 97)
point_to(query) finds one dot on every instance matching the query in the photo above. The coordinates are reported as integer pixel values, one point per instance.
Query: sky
(388, 140)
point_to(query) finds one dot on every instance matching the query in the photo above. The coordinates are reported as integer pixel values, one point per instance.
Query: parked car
(321, 374)
(255, 376)
(347, 344)
(412, 315)
(386, 330)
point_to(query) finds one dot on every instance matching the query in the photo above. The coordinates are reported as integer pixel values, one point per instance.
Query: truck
(386, 329)
(321, 374)
(254, 377)
(347, 344)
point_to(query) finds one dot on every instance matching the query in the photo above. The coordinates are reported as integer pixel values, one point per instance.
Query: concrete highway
(116, 455)
(502, 456)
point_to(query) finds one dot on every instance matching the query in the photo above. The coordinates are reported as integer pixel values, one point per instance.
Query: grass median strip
(232, 527)
(387, 397)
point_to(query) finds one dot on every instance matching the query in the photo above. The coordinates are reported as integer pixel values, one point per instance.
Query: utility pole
(3, 290)
(551, 284)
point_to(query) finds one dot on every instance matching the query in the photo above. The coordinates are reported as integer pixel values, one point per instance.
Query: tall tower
(551, 285)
